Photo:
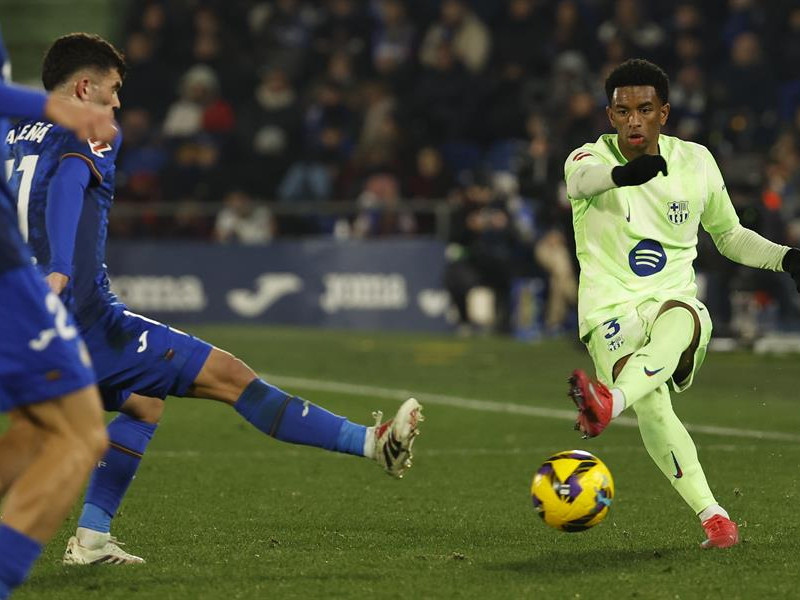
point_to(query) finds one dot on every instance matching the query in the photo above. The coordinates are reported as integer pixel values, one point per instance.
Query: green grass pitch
(221, 512)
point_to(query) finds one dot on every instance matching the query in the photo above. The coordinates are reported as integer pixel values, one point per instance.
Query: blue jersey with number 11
(12, 251)
(37, 149)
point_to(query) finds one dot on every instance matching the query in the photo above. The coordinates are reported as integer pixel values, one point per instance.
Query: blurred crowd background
(250, 120)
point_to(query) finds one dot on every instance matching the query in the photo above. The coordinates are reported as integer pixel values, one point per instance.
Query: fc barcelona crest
(678, 212)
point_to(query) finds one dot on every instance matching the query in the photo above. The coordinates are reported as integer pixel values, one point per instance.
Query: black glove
(791, 264)
(640, 170)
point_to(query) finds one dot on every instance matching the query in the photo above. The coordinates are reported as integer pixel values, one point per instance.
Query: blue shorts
(134, 354)
(41, 354)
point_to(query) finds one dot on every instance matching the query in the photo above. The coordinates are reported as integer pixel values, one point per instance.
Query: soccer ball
(572, 491)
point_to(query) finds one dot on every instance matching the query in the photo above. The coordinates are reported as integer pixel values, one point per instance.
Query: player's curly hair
(76, 51)
(637, 71)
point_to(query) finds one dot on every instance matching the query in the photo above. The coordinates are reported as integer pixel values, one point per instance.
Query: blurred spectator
(282, 33)
(379, 142)
(199, 89)
(344, 28)
(430, 179)
(148, 81)
(444, 98)
(644, 37)
(393, 41)
(141, 159)
(553, 254)
(380, 209)
(745, 95)
(748, 81)
(481, 251)
(242, 221)
(463, 31)
(192, 221)
(327, 145)
(570, 32)
(519, 45)
(196, 169)
(790, 38)
(688, 101)
(269, 132)
(743, 16)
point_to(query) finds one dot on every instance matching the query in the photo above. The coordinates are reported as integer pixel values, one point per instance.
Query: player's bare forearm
(57, 282)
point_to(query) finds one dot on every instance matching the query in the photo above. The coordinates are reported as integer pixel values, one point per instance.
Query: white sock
(369, 443)
(89, 538)
(618, 404)
(710, 511)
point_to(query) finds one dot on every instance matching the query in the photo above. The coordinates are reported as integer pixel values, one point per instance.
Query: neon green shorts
(621, 335)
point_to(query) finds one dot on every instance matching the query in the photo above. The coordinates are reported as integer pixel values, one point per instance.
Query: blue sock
(18, 552)
(291, 419)
(110, 480)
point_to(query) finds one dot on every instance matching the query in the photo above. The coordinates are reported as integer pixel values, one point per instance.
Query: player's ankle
(710, 511)
(618, 404)
(89, 538)
(369, 443)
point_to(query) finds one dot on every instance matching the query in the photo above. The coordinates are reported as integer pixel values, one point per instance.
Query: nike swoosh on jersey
(650, 373)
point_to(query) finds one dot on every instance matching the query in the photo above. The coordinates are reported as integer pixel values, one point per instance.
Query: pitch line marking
(321, 385)
(430, 452)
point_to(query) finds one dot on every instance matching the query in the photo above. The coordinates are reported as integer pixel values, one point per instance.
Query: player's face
(638, 115)
(103, 89)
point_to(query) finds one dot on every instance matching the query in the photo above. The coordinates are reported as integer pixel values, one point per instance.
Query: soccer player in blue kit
(55, 434)
(64, 188)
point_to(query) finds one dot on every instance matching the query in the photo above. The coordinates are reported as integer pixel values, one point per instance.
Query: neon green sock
(655, 362)
(672, 449)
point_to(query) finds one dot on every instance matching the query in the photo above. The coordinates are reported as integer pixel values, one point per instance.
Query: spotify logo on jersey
(647, 258)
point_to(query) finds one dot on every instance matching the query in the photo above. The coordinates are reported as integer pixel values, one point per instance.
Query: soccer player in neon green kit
(637, 199)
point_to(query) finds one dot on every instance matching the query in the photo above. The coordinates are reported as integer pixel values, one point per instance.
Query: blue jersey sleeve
(64, 204)
(98, 156)
(17, 101)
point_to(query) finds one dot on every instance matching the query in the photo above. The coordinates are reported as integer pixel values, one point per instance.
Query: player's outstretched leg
(129, 435)
(71, 438)
(291, 419)
(674, 331)
(672, 449)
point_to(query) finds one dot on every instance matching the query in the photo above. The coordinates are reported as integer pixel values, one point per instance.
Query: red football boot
(721, 532)
(594, 403)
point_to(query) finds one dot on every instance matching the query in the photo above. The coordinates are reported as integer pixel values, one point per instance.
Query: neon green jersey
(639, 242)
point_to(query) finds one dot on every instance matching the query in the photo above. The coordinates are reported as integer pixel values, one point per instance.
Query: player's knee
(653, 408)
(677, 304)
(95, 443)
(24, 430)
(77, 451)
(153, 411)
(144, 408)
(237, 372)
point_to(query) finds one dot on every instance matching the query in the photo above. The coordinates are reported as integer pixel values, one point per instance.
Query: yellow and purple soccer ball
(572, 491)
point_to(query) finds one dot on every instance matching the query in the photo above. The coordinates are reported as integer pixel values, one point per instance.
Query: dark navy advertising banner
(359, 285)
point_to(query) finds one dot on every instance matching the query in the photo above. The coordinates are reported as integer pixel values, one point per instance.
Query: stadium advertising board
(359, 285)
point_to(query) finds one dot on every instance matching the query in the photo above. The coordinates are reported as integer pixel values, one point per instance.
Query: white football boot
(95, 548)
(394, 438)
